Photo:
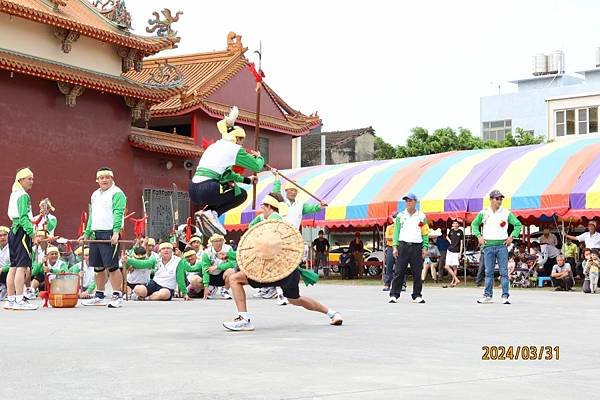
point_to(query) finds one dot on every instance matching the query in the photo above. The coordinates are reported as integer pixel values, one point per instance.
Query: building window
(263, 147)
(577, 121)
(496, 130)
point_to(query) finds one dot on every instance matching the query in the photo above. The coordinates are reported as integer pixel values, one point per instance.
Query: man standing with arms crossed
(494, 242)
(411, 242)
(105, 223)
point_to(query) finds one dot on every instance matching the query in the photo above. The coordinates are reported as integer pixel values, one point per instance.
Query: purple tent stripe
(247, 217)
(484, 175)
(585, 181)
(334, 185)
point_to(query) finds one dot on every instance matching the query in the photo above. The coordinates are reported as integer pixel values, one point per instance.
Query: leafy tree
(383, 150)
(421, 142)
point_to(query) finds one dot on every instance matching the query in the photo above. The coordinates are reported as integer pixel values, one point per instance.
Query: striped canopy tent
(540, 182)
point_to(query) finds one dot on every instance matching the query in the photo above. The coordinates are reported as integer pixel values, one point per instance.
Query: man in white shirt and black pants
(410, 242)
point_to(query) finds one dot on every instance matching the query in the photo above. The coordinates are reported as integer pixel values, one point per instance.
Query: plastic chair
(543, 279)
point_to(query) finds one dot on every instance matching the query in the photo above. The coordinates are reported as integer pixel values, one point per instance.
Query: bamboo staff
(296, 184)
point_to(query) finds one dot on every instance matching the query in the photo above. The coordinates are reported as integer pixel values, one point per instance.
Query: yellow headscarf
(21, 174)
(230, 133)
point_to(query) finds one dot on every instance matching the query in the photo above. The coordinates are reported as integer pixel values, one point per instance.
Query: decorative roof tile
(205, 73)
(165, 143)
(82, 17)
(46, 69)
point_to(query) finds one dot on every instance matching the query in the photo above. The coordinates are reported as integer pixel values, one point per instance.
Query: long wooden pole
(296, 184)
(256, 139)
(257, 126)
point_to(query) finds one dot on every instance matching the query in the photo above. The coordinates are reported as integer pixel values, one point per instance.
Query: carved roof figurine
(234, 42)
(163, 27)
(58, 3)
(115, 11)
(166, 75)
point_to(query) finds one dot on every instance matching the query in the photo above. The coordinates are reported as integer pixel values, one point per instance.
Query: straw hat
(270, 251)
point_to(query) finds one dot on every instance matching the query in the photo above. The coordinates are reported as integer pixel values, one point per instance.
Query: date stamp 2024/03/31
(527, 353)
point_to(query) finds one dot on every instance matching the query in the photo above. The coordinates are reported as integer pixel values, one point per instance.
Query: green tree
(383, 150)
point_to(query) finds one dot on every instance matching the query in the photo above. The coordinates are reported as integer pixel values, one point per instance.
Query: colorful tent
(560, 178)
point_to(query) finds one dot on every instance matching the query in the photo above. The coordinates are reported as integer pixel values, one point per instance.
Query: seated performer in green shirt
(170, 272)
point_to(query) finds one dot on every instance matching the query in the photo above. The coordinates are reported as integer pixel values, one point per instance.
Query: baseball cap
(495, 193)
(410, 196)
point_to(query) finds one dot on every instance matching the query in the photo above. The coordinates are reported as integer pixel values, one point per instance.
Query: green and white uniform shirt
(260, 218)
(141, 276)
(51, 221)
(411, 228)
(223, 260)
(107, 211)
(19, 211)
(219, 157)
(296, 209)
(4, 258)
(168, 275)
(495, 226)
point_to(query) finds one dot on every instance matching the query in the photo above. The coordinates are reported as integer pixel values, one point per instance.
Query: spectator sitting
(196, 244)
(170, 272)
(562, 276)
(137, 276)
(86, 274)
(218, 262)
(193, 269)
(430, 262)
(593, 269)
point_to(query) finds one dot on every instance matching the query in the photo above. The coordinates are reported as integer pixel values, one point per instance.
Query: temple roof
(52, 70)
(205, 73)
(82, 17)
(164, 143)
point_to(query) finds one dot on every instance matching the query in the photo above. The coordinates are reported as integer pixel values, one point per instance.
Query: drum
(63, 290)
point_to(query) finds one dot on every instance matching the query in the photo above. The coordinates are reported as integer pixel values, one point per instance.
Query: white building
(553, 105)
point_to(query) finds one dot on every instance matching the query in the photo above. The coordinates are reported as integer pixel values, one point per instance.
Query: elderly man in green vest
(494, 241)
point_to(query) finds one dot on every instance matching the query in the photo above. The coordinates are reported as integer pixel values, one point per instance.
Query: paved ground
(180, 351)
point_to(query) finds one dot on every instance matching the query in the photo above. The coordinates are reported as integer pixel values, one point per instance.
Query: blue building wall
(527, 107)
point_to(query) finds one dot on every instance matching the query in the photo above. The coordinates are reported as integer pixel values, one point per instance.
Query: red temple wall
(64, 146)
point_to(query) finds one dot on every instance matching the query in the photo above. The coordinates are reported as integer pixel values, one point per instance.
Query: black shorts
(289, 285)
(217, 280)
(19, 247)
(153, 287)
(104, 255)
(133, 285)
(39, 277)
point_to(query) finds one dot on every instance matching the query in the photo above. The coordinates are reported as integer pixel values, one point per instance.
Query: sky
(389, 65)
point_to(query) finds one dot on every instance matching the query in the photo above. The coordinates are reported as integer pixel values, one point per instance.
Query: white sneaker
(226, 295)
(505, 300)
(485, 300)
(239, 324)
(24, 305)
(115, 302)
(336, 319)
(419, 300)
(9, 305)
(270, 293)
(393, 299)
(211, 218)
(29, 294)
(133, 296)
(259, 293)
(282, 301)
(95, 301)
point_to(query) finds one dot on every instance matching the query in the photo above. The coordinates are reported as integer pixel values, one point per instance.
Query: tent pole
(465, 249)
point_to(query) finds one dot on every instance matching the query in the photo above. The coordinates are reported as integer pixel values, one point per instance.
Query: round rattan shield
(270, 251)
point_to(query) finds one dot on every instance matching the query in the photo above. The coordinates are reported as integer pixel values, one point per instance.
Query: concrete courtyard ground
(179, 350)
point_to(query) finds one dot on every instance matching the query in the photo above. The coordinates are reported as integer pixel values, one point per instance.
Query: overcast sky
(391, 65)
